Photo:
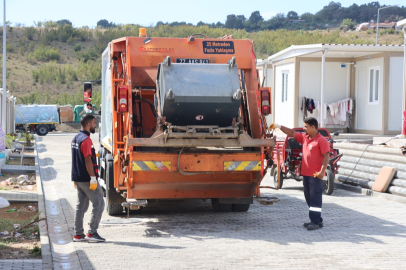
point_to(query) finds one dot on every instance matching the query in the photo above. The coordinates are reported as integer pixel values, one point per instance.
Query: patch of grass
(35, 252)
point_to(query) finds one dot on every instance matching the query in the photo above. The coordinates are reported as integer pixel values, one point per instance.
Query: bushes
(37, 98)
(61, 98)
(89, 54)
(10, 48)
(29, 33)
(90, 70)
(66, 74)
(44, 54)
(77, 47)
(53, 73)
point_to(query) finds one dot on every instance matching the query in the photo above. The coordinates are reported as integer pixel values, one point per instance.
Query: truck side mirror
(87, 92)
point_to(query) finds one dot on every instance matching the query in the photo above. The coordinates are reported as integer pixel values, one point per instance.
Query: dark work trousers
(313, 192)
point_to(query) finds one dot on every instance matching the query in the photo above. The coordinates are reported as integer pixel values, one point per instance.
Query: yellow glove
(74, 184)
(93, 183)
(273, 126)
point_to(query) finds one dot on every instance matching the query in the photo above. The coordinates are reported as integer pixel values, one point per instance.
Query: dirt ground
(17, 161)
(26, 243)
(73, 127)
(27, 188)
(68, 127)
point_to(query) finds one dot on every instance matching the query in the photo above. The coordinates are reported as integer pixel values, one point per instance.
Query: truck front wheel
(42, 130)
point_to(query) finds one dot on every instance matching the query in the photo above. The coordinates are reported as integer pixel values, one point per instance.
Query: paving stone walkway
(20, 264)
(359, 232)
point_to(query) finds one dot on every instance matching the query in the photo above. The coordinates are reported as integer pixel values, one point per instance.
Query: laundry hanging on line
(308, 105)
(336, 113)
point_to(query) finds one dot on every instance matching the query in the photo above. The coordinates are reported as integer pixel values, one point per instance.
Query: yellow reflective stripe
(242, 166)
(167, 164)
(136, 167)
(257, 167)
(227, 164)
(151, 165)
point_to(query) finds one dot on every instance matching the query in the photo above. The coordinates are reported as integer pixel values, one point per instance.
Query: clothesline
(333, 113)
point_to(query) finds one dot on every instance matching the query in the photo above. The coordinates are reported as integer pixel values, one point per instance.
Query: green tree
(348, 22)
(292, 15)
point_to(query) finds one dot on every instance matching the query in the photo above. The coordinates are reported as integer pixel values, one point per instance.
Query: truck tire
(275, 179)
(113, 199)
(240, 207)
(42, 130)
(328, 184)
(220, 207)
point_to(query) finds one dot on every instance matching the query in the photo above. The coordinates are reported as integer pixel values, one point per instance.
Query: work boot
(312, 226)
(308, 223)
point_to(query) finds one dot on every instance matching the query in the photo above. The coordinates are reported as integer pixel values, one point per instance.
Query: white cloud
(269, 14)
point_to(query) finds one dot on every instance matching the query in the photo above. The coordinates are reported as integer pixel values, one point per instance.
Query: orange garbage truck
(182, 118)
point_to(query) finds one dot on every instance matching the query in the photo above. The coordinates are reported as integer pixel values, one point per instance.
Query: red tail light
(265, 100)
(123, 99)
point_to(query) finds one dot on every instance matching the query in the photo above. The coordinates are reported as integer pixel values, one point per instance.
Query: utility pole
(3, 105)
(377, 21)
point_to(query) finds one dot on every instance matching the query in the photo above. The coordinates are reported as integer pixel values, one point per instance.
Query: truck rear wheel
(240, 207)
(220, 207)
(113, 199)
(42, 130)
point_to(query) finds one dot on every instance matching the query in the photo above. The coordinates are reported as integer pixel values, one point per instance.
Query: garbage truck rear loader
(182, 118)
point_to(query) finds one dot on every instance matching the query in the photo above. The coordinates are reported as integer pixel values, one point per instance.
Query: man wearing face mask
(85, 176)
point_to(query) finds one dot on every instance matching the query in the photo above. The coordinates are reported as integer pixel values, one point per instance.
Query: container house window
(374, 85)
(285, 80)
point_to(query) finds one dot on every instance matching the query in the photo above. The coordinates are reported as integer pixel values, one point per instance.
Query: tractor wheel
(275, 178)
(328, 185)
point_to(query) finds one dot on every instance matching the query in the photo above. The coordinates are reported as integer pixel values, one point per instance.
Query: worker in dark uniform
(315, 156)
(85, 177)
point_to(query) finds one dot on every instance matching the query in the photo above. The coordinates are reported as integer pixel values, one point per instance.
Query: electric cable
(363, 154)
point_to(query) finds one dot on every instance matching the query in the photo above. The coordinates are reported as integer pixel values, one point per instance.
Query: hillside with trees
(48, 62)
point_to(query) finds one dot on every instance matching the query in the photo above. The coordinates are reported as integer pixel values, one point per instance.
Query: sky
(148, 13)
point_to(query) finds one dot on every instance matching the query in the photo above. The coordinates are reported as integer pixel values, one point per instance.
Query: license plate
(192, 61)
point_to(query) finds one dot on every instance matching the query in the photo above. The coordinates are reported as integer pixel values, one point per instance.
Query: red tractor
(287, 158)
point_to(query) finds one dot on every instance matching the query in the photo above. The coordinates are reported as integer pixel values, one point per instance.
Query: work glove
(273, 126)
(93, 183)
(74, 184)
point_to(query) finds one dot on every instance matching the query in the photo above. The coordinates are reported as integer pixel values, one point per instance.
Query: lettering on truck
(218, 47)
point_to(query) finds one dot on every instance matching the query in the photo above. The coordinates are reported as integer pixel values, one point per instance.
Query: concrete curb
(371, 193)
(47, 262)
